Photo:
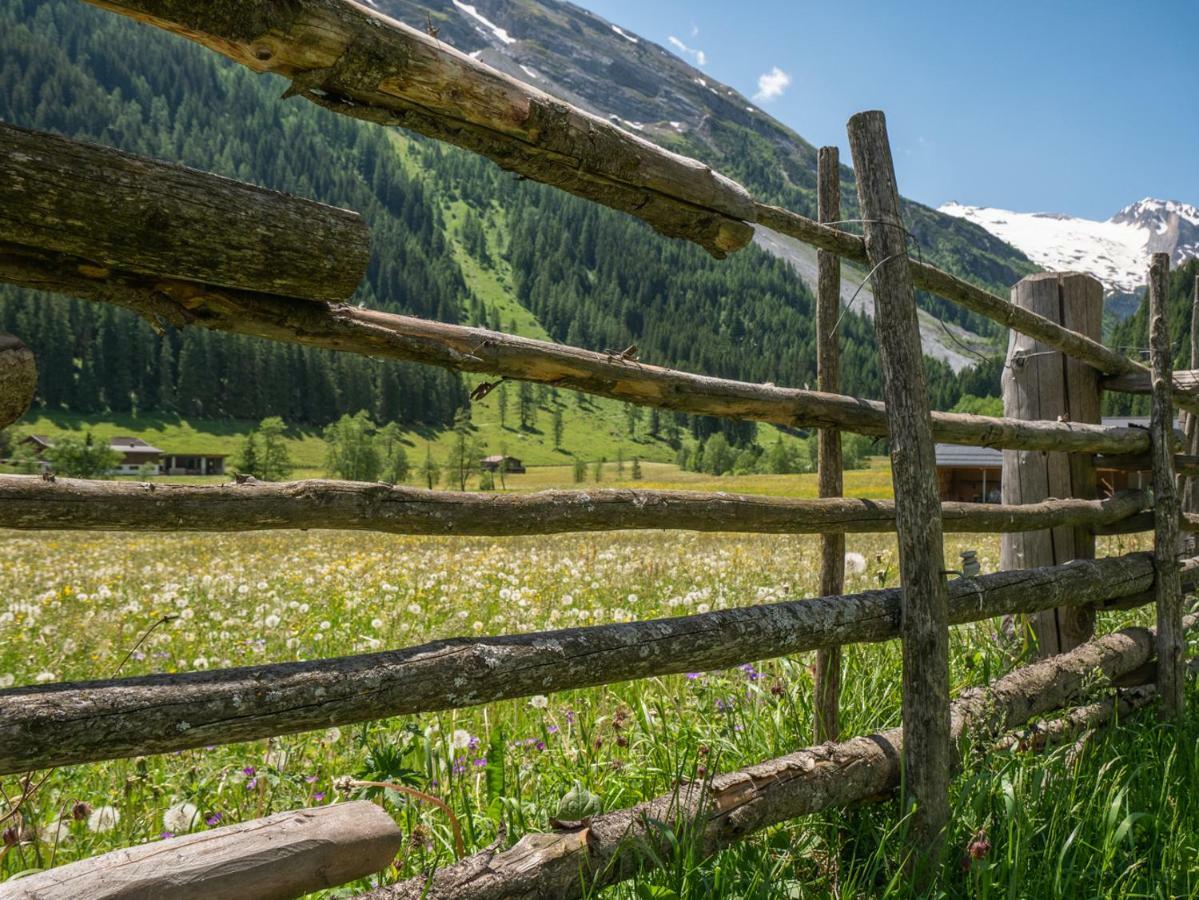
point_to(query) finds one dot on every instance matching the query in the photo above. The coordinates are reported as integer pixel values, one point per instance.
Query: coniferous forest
(592, 277)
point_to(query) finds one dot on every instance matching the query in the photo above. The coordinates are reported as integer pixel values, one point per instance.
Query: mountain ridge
(1116, 250)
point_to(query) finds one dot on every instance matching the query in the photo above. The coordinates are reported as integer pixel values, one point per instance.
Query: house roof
(496, 459)
(125, 444)
(955, 456)
(121, 444)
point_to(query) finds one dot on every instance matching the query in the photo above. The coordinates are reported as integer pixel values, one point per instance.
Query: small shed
(508, 464)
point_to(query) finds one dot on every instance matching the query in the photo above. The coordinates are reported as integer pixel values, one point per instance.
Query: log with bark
(32, 503)
(389, 336)
(116, 212)
(63, 724)
(617, 845)
(352, 59)
(279, 857)
(18, 379)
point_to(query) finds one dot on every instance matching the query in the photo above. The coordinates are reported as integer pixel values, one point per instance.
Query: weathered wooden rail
(288, 854)
(153, 254)
(615, 846)
(64, 724)
(29, 502)
(390, 336)
(113, 211)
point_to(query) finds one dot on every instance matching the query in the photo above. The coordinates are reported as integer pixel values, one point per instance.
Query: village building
(138, 457)
(193, 463)
(974, 474)
(508, 464)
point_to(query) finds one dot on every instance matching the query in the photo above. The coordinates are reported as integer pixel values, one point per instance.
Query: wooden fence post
(1039, 383)
(1190, 487)
(827, 725)
(1167, 588)
(924, 627)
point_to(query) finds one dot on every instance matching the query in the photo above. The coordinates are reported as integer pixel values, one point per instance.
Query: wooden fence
(350, 59)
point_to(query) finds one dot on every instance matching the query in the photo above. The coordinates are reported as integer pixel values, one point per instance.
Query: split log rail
(110, 227)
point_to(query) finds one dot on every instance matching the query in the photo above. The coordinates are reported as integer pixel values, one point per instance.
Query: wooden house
(509, 464)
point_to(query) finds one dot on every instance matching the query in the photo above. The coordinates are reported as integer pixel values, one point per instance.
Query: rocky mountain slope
(642, 86)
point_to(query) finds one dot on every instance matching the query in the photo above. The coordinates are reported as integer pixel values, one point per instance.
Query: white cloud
(696, 56)
(772, 84)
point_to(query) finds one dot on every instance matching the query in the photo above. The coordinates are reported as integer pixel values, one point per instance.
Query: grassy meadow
(1118, 818)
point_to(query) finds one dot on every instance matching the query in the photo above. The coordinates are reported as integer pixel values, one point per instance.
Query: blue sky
(1072, 107)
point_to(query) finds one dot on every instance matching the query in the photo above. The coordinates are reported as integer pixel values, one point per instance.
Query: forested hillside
(443, 224)
(1132, 335)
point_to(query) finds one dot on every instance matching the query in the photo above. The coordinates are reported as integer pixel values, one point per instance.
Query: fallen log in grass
(29, 502)
(285, 855)
(62, 724)
(615, 846)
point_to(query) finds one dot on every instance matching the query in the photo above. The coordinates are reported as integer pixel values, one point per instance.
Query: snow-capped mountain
(1116, 251)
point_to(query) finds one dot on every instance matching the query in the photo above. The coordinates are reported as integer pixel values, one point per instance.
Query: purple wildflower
(318, 796)
(214, 819)
(249, 771)
(251, 784)
(167, 834)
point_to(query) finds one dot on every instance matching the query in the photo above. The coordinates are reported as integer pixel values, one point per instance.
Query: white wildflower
(332, 735)
(44, 677)
(7, 680)
(103, 818)
(855, 563)
(271, 621)
(539, 701)
(460, 739)
(180, 818)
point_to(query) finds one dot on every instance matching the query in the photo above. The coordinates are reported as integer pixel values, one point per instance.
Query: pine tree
(636, 471)
(503, 404)
(351, 452)
(429, 470)
(247, 461)
(559, 428)
(580, 470)
(394, 457)
(276, 462)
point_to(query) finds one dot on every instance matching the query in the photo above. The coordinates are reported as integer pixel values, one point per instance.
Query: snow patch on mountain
(1116, 251)
(486, 22)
